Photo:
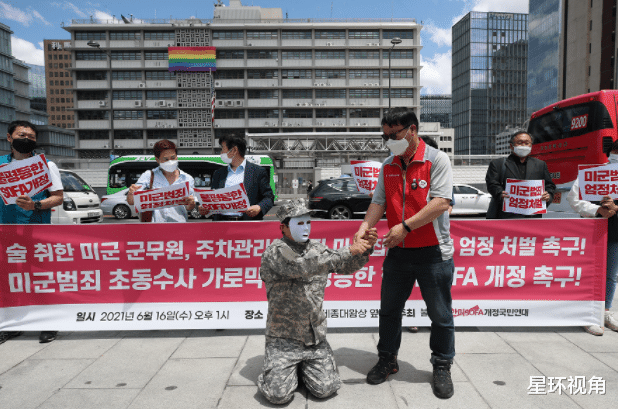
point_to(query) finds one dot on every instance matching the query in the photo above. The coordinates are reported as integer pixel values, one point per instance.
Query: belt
(234, 218)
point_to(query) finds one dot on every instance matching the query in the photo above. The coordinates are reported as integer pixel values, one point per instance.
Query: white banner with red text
(366, 174)
(597, 181)
(25, 177)
(233, 198)
(524, 197)
(206, 275)
(168, 196)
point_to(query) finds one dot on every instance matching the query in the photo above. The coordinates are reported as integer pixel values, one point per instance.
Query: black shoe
(442, 383)
(6, 335)
(386, 365)
(47, 336)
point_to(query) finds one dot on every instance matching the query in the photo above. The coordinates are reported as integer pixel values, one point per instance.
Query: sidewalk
(208, 369)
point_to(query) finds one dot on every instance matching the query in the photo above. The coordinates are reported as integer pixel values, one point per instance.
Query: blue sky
(32, 21)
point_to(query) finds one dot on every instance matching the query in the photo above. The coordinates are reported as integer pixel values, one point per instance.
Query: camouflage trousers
(285, 357)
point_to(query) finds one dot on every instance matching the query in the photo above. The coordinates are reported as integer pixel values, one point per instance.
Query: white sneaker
(610, 321)
(594, 330)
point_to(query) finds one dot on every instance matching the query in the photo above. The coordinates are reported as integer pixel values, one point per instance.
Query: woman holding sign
(165, 175)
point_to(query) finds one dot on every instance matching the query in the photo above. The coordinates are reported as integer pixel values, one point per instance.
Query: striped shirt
(235, 178)
(177, 214)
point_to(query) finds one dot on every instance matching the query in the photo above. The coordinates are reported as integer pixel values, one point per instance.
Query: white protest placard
(25, 177)
(233, 198)
(524, 197)
(597, 181)
(366, 174)
(169, 196)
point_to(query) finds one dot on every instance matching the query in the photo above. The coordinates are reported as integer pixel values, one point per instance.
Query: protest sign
(524, 197)
(25, 177)
(233, 198)
(597, 181)
(366, 174)
(169, 196)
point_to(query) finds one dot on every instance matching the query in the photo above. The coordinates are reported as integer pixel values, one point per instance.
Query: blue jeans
(401, 269)
(612, 273)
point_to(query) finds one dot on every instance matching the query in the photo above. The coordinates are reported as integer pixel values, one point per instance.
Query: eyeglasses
(393, 135)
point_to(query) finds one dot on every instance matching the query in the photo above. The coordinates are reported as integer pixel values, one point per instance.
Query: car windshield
(73, 183)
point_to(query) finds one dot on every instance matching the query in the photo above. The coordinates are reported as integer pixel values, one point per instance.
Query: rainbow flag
(192, 58)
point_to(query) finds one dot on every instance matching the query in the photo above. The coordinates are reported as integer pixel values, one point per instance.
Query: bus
(126, 170)
(572, 132)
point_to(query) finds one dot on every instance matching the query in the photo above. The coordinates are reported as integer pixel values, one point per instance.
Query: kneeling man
(295, 271)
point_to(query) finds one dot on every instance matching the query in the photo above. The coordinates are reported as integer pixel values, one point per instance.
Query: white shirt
(176, 214)
(235, 178)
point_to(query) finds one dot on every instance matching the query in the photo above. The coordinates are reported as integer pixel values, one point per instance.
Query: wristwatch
(405, 226)
(37, 205)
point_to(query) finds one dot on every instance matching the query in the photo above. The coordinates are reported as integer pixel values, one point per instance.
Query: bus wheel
(121, 211)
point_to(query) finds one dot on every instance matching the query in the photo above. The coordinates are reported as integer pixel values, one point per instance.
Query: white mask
(300, 232)
(522, 151)
(398, 147)
(226, 158)
(613, 158)
(169, 166)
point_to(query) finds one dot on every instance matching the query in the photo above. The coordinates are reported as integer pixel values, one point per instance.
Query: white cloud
(41, 44)
(436, 73)
(440, 36)
(40, 17)
(27, 51)
(23, 17)
(67, 5)
(512, 6)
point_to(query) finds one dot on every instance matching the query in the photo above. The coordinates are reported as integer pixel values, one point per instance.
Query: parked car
(80, 203)
(338, 198)
(470, 200)
(118, 206)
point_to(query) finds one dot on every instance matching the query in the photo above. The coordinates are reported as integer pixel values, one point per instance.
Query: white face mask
(522, 151)
(398, 147)
(300, 232)
(169, 166)
(613, 158)
(226, 158)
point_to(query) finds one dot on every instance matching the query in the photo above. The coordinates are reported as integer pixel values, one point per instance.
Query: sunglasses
(393, 135)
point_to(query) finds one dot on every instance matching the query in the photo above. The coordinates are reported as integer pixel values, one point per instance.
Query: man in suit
(239, 170)
(518, 165)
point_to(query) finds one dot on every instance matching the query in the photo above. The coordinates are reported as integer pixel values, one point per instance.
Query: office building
(59, 83)
(490, 51)
(38, 93)
(272, 75)
(437, 108)
(7, 90)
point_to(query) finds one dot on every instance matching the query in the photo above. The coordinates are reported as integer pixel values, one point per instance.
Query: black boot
(442, 383)
(385, 366)
(47, 336)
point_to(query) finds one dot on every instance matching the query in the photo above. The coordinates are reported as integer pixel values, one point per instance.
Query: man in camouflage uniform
(295, 271)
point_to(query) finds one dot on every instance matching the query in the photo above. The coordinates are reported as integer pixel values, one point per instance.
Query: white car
(470, 200)
(80, 204)
(117, 206)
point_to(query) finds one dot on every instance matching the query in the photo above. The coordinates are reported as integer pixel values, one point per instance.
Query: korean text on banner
(25, 177)
(169, 196)
(597, 181)
(524, 197)
(365, 174)
(223, 200)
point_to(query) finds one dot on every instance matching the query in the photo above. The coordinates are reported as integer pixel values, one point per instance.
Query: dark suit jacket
(257, 185)
(536, 169)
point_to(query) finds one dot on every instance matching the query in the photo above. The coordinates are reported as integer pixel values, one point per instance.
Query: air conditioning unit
(170, 125)
(220, 103)
(161, 103)
(329, 84)
(316, 84)
(137, 103)
(329, 43)
(105, 146)
(217, 126)
(274, 124)
(369, 43)
(151, 143)
(170, 104)
(298, 125)
(320, 123)
(365, 84)
(229, 103)
(298, 104)
(364, 124)
(240, 103)
(217, 83)
(142, 85)
(266, 125)
(102, 103)
(358, 124)
(352, 103)
(284, 124)
(306, 104)
(377, 84)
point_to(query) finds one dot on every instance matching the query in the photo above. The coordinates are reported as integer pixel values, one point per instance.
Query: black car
(339, 197)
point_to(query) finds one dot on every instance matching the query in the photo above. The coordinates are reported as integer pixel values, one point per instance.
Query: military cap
(292, 208)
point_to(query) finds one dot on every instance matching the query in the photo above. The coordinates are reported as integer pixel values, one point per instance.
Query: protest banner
(141, 277)
(25, 177)
(365, 174)
(597, 181)
(169, 196)
(524, 197)
(233, 198)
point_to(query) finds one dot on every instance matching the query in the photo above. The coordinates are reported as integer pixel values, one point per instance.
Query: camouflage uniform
(296, 275)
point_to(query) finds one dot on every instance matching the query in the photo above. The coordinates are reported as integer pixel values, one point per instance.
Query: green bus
(126, 170)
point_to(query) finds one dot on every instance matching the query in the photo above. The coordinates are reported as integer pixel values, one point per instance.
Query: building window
(263, 94)
(230, 74)
(330, 113)
(230, 54)
(399, 93)
(365, 93)
(159, 35)
(161, 94)
(90, 35)
(288, 74)
(230, 114)
(128, 134)
(93, 135)
(231, 94)
(330, 34)
(365, 113)
(330, 93)
(129, 114)
(297, 94)
(124, 35)
(364, 34)
(93, 115)
(263, 113)
(296, 55)
(261, 74)
(127, 75)
(163, 114)
(330, 55)
(126, 55)
(227, 35)
(160, 75)
(161, 134)
(364, 54)
(298, 113)
(261, 35)
(398, 73)
(261, 55)
(399, 54)
(329, 74)
(156, 56)
(296, 35)
(88, 56)
(126, 95)
(403, 34)
(364, 74)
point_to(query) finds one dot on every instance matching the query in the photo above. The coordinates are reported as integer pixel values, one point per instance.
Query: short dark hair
(519, 132)
(286, 221)
(16, 124)
(400, 116)
(430, 141)
(163, 145)
(231, 141)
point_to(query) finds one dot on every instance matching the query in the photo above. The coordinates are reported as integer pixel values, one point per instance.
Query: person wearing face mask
(295, 271)
(238, 170)
(607, 208)
(518, 165)
(29, 210)
(167, 173)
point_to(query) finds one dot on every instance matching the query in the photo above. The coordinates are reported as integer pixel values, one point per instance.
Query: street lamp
(394, 42)
(96, 45)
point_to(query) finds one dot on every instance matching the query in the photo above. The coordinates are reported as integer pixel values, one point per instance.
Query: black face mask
(23, 145)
